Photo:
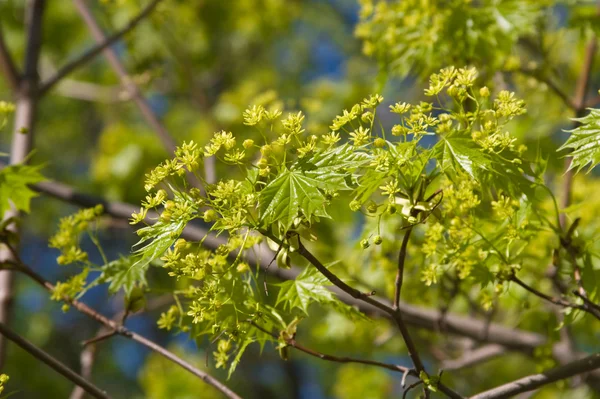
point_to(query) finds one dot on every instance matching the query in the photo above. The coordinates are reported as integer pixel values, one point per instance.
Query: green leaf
(123, 273)
(309, 287)
(585, 142)
(462, 155)
(241, 348)
(299, 188)
(14, 181)
(161, 236)
(368, 184)
(291, 192)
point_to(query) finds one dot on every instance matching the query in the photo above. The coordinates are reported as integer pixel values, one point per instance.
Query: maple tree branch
(91, 53)
(123, 331)
(338, 359)
(535, 381)
(58, 366)
(557, 301)
(395, 314)
(400, 272)
(416, 316)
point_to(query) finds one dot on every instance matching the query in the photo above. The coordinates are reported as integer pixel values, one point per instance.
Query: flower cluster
(67, 238)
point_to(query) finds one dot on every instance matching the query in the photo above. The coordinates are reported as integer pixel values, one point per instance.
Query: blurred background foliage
(201, 63)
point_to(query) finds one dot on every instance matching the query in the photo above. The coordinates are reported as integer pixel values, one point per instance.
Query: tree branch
(535, 381)
(7, 65)
(123, 331)
(401, 262)
(88, 353)
(393, 313)
(338, 359)
(119, 68)
(22, 140)
(53, 363)
(101, 46)
(473, 357)
(557, 301)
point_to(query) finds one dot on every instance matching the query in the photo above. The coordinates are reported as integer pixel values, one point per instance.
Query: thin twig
(86, 361)
(338, 359)
(94, 51)
(556, 301)
(411, 386)
(587, 300)
(53, 362)
(400, 272)
(7, 65)
(119, 68)
(535, 381)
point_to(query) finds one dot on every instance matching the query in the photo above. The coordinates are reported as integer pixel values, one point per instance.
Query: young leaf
(241, 348)
(462, 155)
(585, 142)
(123, 273)
(309, 287)
(14, 181)
(163, 235)
(283, 198)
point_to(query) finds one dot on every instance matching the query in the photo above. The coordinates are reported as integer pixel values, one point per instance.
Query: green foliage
(460, 170)
(14, 186)
(123, 273)
(422, 36)
(308, 288)
(584, 141)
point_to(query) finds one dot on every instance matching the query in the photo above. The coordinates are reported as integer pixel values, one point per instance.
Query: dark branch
(53, 363)
(394, 314)
(94, 51)
(535, 381)
(338, 359)
(557, 301)
(400, 272)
